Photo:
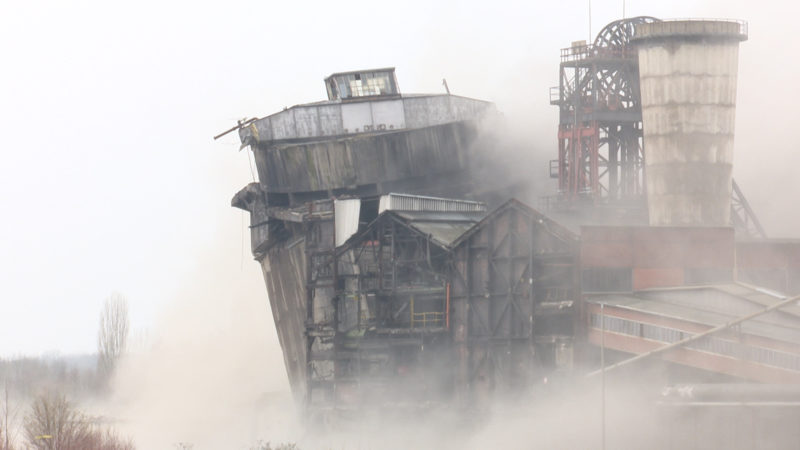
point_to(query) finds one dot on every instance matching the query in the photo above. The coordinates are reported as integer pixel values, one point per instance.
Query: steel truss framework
(395, 315)
(514, 291)
(377, 313)
(743, 218)
(600, 147)
(600, 141)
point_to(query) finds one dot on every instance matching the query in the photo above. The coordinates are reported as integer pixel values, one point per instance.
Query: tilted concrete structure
(387, 303)
(367, 140)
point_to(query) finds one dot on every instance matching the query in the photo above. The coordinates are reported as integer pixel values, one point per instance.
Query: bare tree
(113, 334)
(5, 444)
(54, 424)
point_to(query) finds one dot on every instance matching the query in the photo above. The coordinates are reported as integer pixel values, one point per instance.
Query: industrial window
(710, 344)
(364, 84)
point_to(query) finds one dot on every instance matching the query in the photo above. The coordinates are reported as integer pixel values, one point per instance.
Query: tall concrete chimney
(688, 86)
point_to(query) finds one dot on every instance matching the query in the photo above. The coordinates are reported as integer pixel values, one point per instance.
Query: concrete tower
(688, 87)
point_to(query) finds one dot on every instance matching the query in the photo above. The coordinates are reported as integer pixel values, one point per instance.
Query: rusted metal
(238, 126)
(656, 256)
(600, 152)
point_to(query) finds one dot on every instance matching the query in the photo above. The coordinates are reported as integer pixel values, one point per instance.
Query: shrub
(54, 424)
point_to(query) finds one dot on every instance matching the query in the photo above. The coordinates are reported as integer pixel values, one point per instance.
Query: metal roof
(552, 227)
(444, 228)
(713, 306)
(409, 202)
(352, 72)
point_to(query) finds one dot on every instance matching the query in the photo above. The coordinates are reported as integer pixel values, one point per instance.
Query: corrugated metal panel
(346, 214)
(407, 202)
(711, 344)
(718, 308)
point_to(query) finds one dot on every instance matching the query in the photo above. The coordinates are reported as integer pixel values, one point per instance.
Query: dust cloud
(212, 373)
(564, 415)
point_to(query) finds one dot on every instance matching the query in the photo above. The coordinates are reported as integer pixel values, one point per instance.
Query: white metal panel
(407, 202)
(463, 108)
(330, 120)
(388, 115)
(283, 125)
(261, 130)
(355, 116)
(346, 214)
(335, 119)
(384, 203)
(426, 111)
(306, 122)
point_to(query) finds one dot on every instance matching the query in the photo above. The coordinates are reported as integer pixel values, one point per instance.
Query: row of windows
(360, 85)
(709, 344)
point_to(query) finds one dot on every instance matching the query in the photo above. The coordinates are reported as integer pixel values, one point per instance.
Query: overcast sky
(110, 180)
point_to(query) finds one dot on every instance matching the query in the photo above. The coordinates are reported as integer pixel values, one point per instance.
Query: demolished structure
(372, 290)
(397, 278)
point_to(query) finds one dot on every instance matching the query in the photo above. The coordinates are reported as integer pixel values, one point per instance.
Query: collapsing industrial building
(397, 277)
(370, 288)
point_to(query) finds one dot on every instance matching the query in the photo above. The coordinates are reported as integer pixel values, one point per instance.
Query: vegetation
(53, 423)
(25, 377)
(113, 334)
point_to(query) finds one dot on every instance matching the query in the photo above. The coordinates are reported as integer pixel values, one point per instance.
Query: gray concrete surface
(688, 73)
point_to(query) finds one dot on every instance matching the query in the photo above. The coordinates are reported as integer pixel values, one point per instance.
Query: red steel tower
(600, 147)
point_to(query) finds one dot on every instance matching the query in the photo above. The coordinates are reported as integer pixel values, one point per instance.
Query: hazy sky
(110, 180)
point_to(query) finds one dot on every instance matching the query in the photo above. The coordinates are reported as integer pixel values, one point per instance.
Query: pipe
(239, 125)
(411, 310)
(447, 307)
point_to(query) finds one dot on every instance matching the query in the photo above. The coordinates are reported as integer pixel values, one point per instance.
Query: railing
(427, 319)
(743, 28)
(581, 52)
(424, 319)
(577, 52)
